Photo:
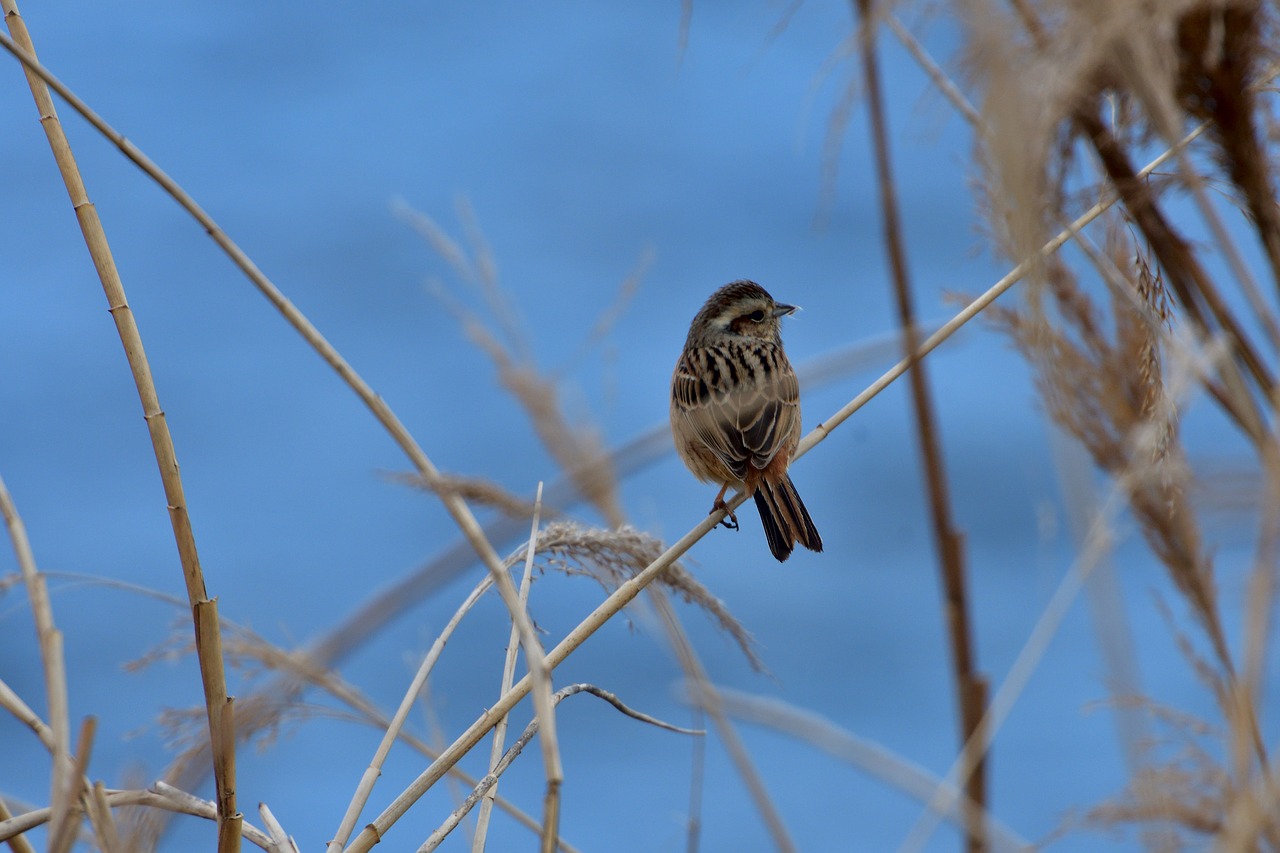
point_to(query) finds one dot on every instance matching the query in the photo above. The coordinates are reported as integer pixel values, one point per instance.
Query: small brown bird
(735, 410)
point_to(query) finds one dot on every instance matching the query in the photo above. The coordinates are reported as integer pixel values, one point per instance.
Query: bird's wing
(743, 417)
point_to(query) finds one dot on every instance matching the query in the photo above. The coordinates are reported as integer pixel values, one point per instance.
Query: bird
(735, 411)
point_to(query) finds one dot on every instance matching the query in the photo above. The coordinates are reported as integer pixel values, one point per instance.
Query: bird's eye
(756, 316)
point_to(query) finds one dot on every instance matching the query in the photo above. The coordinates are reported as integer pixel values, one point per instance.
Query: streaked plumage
(735, 409)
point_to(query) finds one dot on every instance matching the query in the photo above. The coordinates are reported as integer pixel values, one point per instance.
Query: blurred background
(587, 146)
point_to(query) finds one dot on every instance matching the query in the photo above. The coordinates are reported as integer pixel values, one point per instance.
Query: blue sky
(584, 142)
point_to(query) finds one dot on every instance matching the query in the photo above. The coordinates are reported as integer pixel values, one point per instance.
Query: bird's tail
(785, 519)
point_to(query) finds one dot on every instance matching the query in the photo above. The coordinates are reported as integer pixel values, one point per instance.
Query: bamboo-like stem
(56, 735)
(12, 702)
(153, 414)
(394, 728)
(19, 843)
(970, 685)
(162, 796)
(63, 832)
(104, 825)
(230, 819)
(552, 766)
(282, 841)
(508, 676)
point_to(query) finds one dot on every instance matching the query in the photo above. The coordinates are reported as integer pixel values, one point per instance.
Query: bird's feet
(730, 520)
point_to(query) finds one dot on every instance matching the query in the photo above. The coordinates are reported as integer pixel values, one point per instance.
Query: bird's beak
(780, 310)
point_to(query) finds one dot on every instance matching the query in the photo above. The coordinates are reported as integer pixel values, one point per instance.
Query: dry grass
(1102, 364)
(1121, 334)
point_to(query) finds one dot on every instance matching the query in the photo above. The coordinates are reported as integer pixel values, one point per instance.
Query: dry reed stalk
(282, 842)
(508, 676)
(245, 646)
(64, 830)
(157, 425)
(162, 796)
(56, 735)
(13, 703)
(19, 843)
(393, 729)
(104, 825)
(970, 685)
(463, 744)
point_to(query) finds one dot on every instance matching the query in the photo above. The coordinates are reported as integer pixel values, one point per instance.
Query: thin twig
(508, 675)
(436, 838)
(394, 728)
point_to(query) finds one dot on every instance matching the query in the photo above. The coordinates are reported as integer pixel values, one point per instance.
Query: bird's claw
(730, 520)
